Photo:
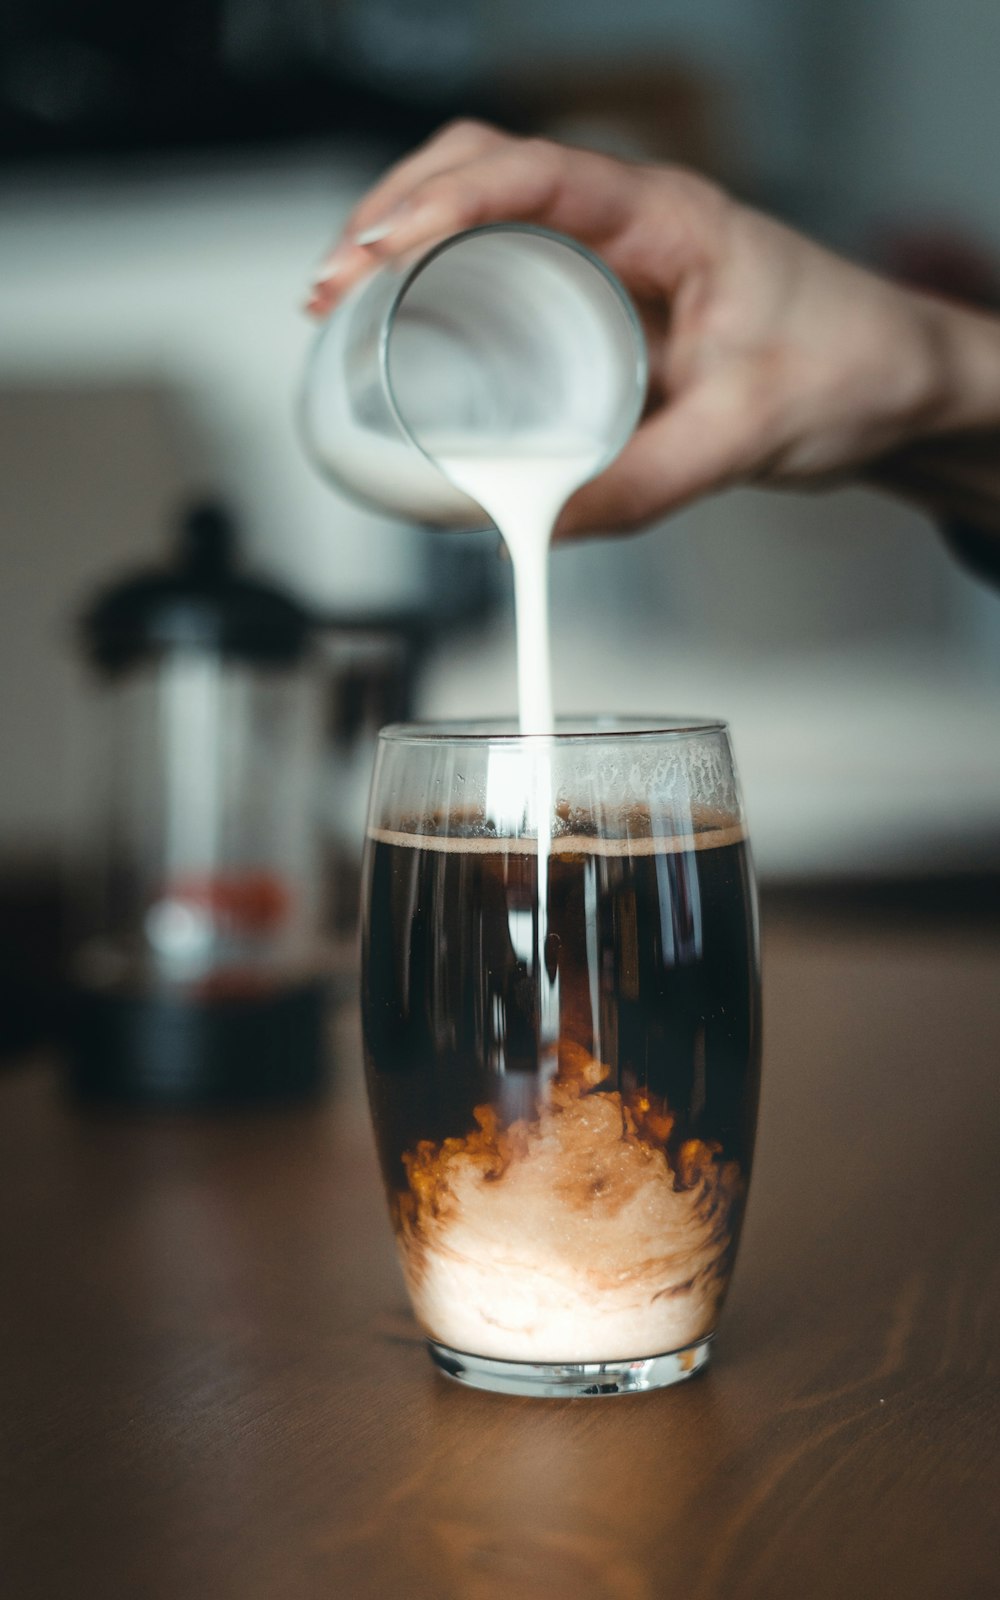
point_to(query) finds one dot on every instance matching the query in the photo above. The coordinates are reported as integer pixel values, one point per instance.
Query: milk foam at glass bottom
(561, 1022)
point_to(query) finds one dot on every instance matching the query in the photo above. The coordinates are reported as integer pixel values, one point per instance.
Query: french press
(199, 975)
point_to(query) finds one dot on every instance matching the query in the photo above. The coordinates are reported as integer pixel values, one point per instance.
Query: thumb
(685, 451)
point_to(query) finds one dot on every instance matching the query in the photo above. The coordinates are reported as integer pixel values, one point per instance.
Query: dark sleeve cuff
(978, 552)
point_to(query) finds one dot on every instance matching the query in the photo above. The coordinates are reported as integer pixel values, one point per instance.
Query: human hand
(772, 360)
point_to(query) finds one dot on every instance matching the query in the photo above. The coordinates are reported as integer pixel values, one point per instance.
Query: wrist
(961, 391)
(946, 457)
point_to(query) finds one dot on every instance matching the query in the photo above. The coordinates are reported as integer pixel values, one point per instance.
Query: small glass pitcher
(506, 332)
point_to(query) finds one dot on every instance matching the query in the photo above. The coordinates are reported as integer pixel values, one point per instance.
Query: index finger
(348, 261)
(577, 192)
(455, 143)
(527, 180)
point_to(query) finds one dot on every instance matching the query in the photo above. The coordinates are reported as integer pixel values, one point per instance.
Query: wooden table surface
(211, 1387)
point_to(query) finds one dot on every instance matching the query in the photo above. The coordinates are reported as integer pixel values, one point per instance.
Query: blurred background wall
(167, 181)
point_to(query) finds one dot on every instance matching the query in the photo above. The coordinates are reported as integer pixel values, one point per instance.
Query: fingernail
(380, 231)
(332, 267)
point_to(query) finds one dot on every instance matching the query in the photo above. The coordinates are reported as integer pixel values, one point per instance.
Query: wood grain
(210, 1388)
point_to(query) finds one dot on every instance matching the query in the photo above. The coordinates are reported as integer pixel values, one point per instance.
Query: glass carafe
(199, 974)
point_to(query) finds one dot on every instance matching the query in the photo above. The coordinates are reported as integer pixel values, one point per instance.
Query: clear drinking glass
(562, 1037)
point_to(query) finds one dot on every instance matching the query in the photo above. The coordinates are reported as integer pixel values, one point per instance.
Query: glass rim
(625, 302)
(597, 729)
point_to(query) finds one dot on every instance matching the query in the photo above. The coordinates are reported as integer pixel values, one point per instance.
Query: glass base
(569, 1380)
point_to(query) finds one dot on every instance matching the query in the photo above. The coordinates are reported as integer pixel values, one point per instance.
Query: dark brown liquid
(647, 965)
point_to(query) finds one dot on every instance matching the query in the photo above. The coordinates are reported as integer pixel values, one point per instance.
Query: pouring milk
(509, 359)
(523, 483)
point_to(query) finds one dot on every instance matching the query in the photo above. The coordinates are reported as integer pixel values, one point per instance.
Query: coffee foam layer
(564, 844)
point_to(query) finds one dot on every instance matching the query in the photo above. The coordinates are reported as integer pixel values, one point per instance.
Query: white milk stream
(523, 484)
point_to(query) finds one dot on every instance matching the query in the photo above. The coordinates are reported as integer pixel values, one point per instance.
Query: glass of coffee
(562, 1040)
